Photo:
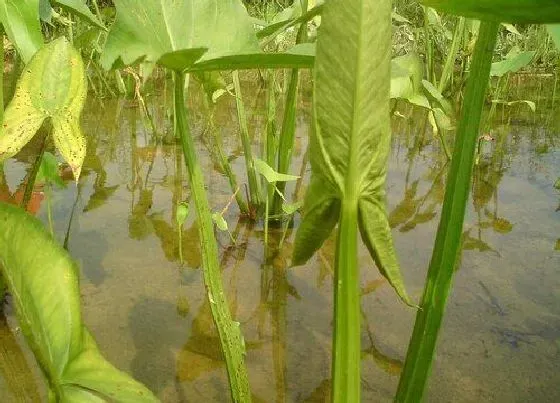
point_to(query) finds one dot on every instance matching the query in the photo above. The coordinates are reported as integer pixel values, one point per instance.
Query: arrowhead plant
(349, 149)
(52, 86)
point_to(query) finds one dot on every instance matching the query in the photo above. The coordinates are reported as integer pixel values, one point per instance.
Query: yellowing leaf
(52, 86)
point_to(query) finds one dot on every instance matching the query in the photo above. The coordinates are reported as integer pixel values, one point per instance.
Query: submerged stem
(448, 240)
(228, 330)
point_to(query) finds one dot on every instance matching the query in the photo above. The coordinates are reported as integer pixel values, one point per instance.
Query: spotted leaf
(52, 86)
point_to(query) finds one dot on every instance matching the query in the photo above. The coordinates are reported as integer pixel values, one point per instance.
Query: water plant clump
(352, 68)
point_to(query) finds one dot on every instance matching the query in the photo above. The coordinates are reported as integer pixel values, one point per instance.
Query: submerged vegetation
(371, 61)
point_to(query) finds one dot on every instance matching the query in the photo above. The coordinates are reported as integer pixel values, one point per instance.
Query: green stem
(226, 166)
(287, 136)
(228, 330)
(449, 66)
(254, 188)
(49, 208)
(33, 175)
(448, 240)
(180, 233)
(2, 75)
(346, 348)
(429, 48)
(266, 213)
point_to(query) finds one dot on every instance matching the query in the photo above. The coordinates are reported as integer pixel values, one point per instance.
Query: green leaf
(80, 9)
(180, 60)
(511, 28)
(149, 29)
(270, 174)
(554, 32)
(513, 62)
(20, 19)
(437, 96)
(297, 57)
(520, 11)
(376, 234)
(278, 27)
(52, 86)
(98, 378)
(320, 214)
(442, 120)
(399, 18)
(45, 10)
(220, 221)
(350, 143)
(291, 208)
(530, 104)
(48, 316)
(406, 80)
(182, 213)
(48, 170)
(43, 282)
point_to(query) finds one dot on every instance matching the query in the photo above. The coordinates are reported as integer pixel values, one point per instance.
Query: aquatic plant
(349, 149)
(221, 38)
(354, 81)
(446, 251)
(50, 317)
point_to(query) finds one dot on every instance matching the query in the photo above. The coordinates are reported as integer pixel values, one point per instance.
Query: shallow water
(500, 339)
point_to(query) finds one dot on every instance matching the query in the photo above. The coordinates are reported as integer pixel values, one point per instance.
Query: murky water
(501, 336)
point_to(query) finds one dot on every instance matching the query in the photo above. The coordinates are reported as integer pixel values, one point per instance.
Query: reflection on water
(501, 336)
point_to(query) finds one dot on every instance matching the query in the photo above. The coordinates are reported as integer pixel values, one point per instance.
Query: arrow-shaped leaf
(53, 86)
(351, 140)
(151, 28)
(192, 35)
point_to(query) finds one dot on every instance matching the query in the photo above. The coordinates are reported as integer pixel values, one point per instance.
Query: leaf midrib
(353, 179)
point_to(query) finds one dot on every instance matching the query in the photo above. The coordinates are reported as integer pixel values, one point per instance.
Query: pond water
(501, 336)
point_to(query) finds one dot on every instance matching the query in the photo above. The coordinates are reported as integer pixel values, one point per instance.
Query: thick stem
(229, 331)
(448, 239)
(346, 349)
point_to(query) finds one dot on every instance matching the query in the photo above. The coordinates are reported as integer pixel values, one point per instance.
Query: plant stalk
(2, 55)
(449, 66)
(287, 136)
(33, 175)
(254, 188)
(228, 330)
(346, 348)
(448, 240)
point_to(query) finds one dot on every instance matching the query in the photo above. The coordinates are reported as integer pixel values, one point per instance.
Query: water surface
(500, 339)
